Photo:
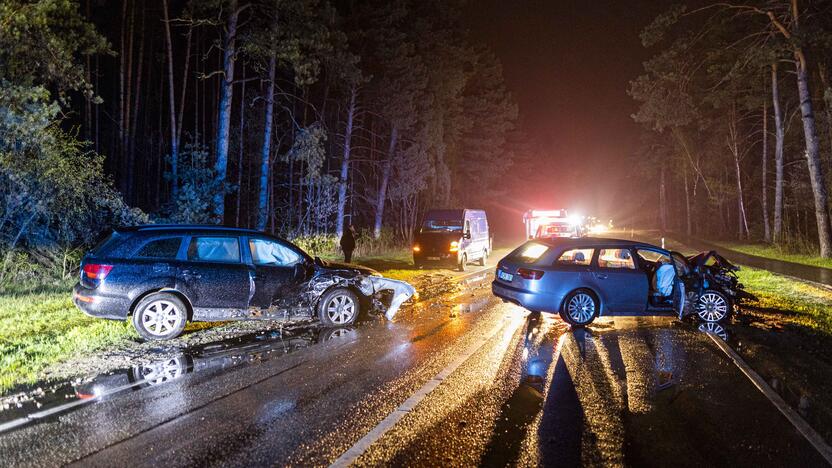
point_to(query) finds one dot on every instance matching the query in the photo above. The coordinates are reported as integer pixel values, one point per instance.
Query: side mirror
(467, 234)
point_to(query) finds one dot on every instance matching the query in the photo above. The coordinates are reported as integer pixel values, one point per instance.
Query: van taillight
(97, 271)
(529, 274)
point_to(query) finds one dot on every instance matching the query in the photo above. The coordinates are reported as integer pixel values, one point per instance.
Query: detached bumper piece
(402, 291)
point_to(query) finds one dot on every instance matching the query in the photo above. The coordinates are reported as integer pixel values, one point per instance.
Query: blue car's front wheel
(580, 308)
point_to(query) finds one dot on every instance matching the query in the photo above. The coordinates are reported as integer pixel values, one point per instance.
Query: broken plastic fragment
(401, 291)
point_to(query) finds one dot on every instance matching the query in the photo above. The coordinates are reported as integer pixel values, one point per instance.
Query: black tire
(713, 307)
(463, 262)
(338, 307)
(160, 316)
(579, 308)
(483, 259)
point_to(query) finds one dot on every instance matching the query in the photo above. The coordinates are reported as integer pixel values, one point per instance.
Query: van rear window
(530, 252)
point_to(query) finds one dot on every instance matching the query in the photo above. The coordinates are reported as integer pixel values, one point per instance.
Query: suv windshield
(442, 225)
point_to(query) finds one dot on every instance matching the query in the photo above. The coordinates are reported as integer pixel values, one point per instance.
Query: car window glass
(266, 252)
(616, 258)
(160, 248)
(530, 252)
(214, 249)
(653, 256)
(576, 257)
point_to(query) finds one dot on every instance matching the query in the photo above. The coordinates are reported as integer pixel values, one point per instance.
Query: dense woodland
(737, 109)
(290, 116)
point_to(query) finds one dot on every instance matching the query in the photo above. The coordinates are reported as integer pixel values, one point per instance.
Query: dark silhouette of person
(348, 243)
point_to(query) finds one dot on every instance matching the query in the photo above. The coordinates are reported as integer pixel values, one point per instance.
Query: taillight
(529, 274)
(97, 271)
(454, 246)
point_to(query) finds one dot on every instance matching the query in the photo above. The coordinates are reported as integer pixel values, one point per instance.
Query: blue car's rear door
(622, 285)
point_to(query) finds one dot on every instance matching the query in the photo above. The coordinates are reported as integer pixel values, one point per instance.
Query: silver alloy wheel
(581, 307)
(340, 309)
(161, 317)
(712, 307)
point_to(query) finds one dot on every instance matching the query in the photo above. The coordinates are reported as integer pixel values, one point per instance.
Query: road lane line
(797, 421)
(353, 453)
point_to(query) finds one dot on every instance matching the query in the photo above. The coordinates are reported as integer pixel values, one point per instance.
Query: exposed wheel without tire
(713, 306)
(463, 262)
(580, 308)
(160, 316)
(338, 307)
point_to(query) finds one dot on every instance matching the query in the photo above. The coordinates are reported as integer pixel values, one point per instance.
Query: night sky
(568, 64)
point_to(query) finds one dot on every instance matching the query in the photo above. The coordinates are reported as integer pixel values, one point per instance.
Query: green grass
(778, 253)
(793, 301)
(43, 327)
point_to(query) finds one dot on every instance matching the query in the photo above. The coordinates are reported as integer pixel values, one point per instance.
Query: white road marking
(358, 449)
(798, 422)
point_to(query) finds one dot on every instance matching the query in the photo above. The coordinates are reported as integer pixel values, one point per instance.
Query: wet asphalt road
(628, 390)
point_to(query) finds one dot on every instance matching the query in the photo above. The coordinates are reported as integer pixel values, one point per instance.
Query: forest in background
(290, 116)
(737, 109)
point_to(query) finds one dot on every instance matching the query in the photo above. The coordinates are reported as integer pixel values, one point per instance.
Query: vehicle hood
(342, 268)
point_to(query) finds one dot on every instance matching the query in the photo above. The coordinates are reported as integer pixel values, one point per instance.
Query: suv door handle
(190, 274)
(160, 267)
(601, 275)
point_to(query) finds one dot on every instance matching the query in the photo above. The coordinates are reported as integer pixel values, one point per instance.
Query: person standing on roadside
(348, 243)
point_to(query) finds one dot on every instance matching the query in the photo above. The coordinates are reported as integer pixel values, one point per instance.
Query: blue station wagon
(581, 279)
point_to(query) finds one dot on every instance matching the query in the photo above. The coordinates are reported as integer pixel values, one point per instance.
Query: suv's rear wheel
(338, 307)
(160, 316)
(580, 308)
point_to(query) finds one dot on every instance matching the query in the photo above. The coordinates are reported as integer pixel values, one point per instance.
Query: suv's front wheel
(338, 307)
(160, 316)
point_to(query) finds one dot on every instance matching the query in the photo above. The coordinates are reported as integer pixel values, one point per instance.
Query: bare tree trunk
(121, 74)
(240, 155)
(131, 160)
(688, 223)
(174, 143)
(224, 110)
(181, 112)
(345, 164)
(662, 201)
(779, 137)
(385, 179)
(125, 143)
(764, 172)
(263, 205)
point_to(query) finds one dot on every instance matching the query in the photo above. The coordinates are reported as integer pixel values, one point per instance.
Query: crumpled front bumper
(402, 291)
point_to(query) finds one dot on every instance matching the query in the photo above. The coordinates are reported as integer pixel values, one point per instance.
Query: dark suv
(165, 275)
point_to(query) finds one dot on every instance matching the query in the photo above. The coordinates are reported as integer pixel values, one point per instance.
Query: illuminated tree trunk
(174, 140)
(224, 111)
(779, 136)
(263, 205)
(345, 164)
(385, 179)
(764, 174)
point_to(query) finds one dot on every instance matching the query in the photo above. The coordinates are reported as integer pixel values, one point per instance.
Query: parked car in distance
(581, 279)
(164, 275)
(452, 238)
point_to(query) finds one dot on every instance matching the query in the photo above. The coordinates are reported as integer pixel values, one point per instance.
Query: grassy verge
(777, 253)
(789, 301)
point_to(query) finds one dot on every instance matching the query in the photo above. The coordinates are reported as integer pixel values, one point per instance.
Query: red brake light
(529, 274)
(97, 271)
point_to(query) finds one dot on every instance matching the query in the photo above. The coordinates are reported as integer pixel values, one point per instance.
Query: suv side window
(215, 249)
(616, 258)
(576, 257)
(160, 248)
(268, 252)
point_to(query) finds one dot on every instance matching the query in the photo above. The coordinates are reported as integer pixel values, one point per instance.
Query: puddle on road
(168, 366)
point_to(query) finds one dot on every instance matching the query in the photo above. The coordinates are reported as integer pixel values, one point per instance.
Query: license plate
(505, 276)
(434, 258)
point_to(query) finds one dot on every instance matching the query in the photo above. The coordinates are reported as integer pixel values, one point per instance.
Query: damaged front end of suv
(336, 294)
(713, 288)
